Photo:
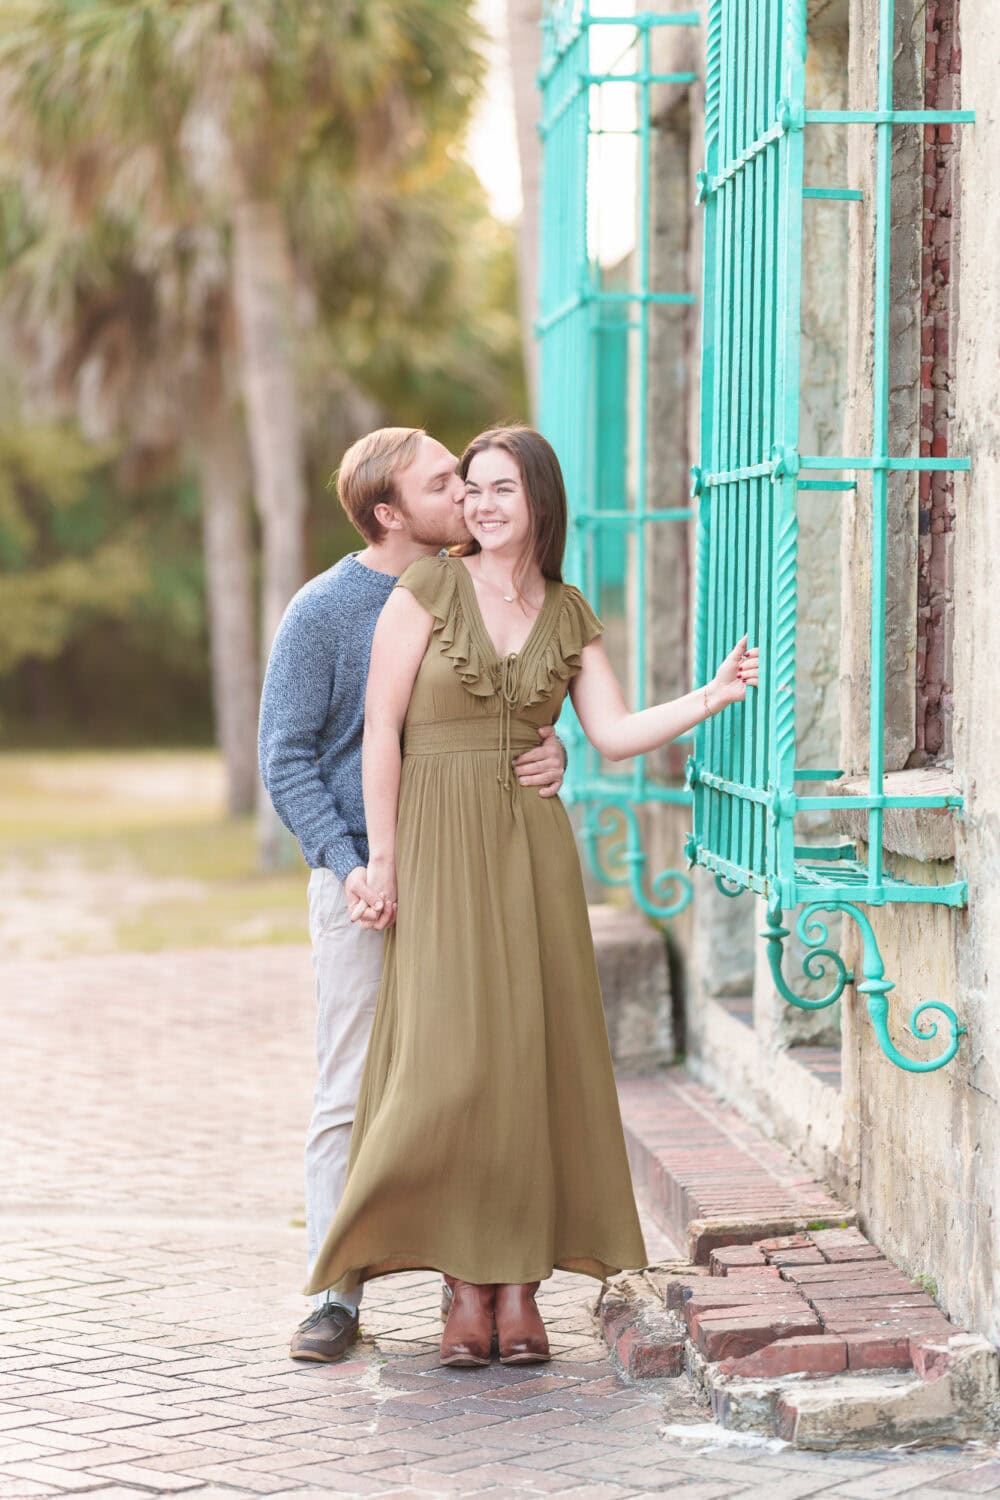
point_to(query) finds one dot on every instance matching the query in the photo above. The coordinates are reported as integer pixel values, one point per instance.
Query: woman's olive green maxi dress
(488, 1141)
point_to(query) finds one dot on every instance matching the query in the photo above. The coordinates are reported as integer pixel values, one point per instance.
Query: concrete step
(635, 984)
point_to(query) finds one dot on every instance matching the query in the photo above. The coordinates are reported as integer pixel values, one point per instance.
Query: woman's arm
(398, 648)
(617, 734)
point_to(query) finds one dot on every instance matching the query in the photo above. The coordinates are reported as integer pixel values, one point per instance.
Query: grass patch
(152, 825)
(225, 914)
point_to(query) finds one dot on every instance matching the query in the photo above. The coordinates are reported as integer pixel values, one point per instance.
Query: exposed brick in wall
(935, 600)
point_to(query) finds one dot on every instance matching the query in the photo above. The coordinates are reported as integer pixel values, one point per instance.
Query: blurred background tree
(233, 237)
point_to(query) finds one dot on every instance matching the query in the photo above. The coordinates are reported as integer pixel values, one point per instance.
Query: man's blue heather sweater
(312, 713)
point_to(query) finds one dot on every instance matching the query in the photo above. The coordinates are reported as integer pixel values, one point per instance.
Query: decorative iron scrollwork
(613, 843)
(874, 985)
(815, 935)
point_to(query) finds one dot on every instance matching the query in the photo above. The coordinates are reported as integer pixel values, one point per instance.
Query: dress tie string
(508, 702)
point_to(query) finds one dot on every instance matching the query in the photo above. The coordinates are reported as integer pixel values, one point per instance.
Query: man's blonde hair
(368, 472)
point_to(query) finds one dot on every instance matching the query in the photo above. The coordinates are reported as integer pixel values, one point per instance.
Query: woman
(488, 1143)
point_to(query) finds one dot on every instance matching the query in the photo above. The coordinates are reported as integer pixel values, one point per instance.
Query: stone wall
(929, 1154)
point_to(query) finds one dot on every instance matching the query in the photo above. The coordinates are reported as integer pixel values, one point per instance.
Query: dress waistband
(460, 736)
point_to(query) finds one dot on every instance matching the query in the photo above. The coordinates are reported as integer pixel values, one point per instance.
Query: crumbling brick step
(763, 1316)
(708, 1175)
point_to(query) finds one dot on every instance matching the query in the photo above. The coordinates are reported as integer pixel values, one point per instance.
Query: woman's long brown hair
(544, 490)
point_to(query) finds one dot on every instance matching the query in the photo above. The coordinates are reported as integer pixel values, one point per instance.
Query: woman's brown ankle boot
(468, 1334)
(521, 1332)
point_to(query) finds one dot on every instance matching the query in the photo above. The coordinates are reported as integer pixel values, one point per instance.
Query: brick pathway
(150, 1253)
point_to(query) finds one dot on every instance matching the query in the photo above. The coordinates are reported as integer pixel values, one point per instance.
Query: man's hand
(382, 880)
(544, 765)
(364, 904)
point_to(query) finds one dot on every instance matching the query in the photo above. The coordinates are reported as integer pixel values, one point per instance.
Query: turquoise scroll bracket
(815, 935)
(613, 843)
(813, 932)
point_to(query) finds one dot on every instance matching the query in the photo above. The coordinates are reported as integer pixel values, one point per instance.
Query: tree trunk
(264, 287)
(225, 480)
(524, 41)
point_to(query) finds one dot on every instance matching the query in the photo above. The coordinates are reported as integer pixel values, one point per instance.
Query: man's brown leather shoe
(468, 1333)
(326, 1334)
(521, 1332)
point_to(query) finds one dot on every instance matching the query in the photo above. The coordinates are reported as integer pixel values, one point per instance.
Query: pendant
(508, 598)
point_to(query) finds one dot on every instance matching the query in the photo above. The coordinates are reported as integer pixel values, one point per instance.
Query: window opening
(748, 792)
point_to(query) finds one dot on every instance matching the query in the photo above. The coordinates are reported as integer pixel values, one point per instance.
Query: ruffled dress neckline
(478, 624)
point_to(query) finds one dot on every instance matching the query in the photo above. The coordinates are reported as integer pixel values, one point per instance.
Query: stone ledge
(923, 833)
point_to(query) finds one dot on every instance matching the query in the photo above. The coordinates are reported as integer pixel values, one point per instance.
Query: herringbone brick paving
(151, 1251)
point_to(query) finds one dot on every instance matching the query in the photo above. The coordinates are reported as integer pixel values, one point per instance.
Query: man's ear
(388, 516)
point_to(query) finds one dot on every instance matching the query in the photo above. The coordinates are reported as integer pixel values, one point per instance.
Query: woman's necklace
(511, 598)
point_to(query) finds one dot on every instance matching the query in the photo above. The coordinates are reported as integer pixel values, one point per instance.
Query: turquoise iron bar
(746, 788)
(584, 327)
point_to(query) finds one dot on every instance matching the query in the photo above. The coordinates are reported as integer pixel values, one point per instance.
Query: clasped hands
(371, 893)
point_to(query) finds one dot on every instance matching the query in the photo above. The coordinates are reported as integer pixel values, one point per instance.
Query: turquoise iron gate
(747, 790)
(597, 77)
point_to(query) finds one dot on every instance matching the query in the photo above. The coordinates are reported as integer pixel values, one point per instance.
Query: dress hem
(581, 1265)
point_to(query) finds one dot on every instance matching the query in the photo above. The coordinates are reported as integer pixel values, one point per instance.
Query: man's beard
(427, 536)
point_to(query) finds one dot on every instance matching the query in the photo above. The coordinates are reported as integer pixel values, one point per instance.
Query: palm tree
(235, 106)
(241, 99)
(125, 326)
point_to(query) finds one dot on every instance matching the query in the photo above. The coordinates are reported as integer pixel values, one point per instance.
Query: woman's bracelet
(704, 699)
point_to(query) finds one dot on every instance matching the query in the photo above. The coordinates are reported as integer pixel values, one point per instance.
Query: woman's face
(496, 506)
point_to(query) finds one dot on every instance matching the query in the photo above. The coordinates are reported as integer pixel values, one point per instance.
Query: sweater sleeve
(293, 709)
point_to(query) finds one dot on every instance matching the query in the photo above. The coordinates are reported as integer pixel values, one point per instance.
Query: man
(403, 494)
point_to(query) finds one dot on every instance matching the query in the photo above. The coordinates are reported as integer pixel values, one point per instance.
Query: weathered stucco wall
(904, 393)
(977, 714)
(929, 1178)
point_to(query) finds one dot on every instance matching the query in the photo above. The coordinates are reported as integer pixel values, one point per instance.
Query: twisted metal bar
(623, 861)
(814, 934)
(730, 888)
(713, 72)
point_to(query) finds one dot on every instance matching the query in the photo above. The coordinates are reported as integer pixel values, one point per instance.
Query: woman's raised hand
(740, 670)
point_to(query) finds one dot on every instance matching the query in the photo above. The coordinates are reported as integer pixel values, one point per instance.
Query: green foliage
(102, 616)
(62, 569)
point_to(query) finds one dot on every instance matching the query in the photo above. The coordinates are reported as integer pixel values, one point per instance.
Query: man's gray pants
(347, 961)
